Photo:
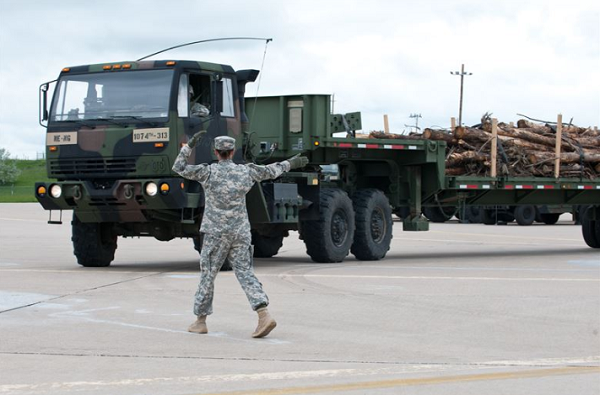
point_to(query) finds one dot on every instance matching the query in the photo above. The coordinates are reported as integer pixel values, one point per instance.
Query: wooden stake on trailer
(452, 123)
(386, 125)
(494, 148)
(558, 146)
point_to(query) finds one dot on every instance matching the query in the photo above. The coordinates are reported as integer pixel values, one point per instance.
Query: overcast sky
(537, 58)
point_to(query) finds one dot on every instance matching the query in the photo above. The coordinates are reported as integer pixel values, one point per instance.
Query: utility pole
(416, 116)
(462, 74)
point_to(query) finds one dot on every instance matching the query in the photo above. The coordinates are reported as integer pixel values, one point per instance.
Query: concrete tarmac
(461, 309)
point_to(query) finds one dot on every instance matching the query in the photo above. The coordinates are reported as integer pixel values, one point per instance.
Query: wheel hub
(339, 228)
(378, 225)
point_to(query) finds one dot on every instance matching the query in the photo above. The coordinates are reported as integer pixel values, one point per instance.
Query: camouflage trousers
(215, 249)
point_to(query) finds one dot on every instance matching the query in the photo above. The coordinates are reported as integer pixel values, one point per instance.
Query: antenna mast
(207, 41)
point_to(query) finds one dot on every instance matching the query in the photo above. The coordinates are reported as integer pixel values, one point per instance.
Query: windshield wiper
(137, 118)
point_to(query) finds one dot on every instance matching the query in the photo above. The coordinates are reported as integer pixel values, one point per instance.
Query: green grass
(32, 171)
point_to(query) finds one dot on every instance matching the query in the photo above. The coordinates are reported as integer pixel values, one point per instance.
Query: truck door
(196, 110)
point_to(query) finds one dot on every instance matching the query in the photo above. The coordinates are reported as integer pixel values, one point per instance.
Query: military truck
(114, 130)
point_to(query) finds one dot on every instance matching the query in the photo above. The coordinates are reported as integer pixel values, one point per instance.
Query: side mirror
(43, 103)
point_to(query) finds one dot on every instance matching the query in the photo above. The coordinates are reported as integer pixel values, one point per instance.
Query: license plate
(150, 135)
(61, 138)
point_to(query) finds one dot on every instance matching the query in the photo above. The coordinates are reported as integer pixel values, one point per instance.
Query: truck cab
(113, 132)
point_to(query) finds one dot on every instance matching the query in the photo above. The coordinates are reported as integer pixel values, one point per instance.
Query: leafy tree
(8, 169)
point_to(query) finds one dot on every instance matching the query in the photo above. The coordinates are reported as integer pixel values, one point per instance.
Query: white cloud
(536, 57)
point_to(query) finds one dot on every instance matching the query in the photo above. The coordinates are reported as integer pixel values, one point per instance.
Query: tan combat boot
(199, 326)
(266, 323)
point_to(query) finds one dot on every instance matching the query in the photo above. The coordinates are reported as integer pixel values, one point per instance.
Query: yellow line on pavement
(420, 381)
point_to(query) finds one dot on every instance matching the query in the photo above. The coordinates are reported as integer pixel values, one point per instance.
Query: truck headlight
(151, 189)
(55, 191)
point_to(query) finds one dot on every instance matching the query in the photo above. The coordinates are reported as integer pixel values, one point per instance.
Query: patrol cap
(224, 143)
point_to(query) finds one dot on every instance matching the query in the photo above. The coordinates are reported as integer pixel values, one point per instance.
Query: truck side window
(199, 94)
(182, 97)
(228, 110)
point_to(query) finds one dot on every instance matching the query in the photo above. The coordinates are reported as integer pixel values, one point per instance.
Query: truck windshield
(126, 94)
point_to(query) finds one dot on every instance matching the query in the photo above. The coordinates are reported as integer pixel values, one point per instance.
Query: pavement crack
(82, 291)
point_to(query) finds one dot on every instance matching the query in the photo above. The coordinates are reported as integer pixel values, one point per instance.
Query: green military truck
(114, 130)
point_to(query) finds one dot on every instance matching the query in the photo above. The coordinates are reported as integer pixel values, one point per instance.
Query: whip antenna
(262, 65)
(206, 41)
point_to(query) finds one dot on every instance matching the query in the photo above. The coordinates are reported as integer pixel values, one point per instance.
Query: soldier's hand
(298, 161)
(196, 138)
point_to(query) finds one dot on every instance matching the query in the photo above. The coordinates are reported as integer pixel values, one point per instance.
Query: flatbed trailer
(411, 172)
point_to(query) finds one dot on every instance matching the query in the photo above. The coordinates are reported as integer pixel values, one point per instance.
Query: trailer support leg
(415, 222)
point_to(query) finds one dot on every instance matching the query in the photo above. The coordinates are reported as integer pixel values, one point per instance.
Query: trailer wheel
(198, 240)
(525, 215)
(266, 246)
(94, 244)
(373, 233)
(591, 231)
(474, 214)
(549, 219)
(489, 216)
(438, 214)
(329, 238)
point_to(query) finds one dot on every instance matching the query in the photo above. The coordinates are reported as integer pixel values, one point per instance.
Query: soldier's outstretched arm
(191, 172)
(274, 170)
(268, 172)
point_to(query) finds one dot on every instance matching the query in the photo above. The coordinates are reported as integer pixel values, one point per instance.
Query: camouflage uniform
(225, 221)
(199, 110)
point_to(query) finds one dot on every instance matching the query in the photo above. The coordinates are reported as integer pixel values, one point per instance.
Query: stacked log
(524, 150)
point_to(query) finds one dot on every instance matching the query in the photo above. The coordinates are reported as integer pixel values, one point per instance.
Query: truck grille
(80, 167)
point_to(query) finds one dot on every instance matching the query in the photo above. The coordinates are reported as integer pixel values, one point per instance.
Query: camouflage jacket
(225, 186)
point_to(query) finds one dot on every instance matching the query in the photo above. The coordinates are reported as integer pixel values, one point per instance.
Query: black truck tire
(591, 231)
(266, 246)
(489, 216)
(474, 214)
(438, 214)
(94, 244)
(549, 219)
(525, 215)
(493, 216)
(198, 240)
(329, 238)
(373, 216)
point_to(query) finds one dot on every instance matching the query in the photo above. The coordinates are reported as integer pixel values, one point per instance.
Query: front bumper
(121, 201)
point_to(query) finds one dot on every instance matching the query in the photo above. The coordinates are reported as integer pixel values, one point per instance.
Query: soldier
(225, 225)
(197, 109)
